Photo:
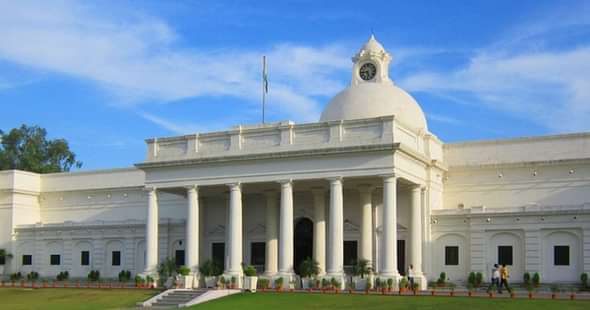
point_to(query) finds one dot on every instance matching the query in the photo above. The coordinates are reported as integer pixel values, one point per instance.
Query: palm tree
(362, 268)
(4, 254)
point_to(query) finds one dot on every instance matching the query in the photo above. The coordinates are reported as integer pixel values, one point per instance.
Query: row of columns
(330, 259)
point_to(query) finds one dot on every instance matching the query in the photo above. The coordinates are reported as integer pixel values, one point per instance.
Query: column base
(421, 280)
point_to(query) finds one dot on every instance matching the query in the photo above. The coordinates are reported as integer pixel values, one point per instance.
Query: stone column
(286, 223)
(272, 234)
(192, 230)
(366, 222)
(151, 232)
(319, 229)
(389, 238)
(234, 266)
(416, 236)
(336, 230)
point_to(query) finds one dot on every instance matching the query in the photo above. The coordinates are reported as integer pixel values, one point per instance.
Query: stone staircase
(175, 298)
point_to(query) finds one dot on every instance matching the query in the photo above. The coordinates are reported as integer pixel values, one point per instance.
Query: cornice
(273, 155)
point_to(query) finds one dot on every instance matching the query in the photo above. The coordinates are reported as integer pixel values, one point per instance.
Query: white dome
(366, 100)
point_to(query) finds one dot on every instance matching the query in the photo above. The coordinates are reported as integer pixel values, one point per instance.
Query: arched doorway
(303, 241)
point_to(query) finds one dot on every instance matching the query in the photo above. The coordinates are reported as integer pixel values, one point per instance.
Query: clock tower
(371, 64)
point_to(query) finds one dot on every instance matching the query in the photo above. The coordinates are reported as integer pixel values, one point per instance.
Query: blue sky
(105, 75)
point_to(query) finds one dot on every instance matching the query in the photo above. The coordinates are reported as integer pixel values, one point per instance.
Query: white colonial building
(368, 180)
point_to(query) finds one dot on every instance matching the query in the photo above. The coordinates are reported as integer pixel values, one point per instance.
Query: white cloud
(136, 57)
(547, 88)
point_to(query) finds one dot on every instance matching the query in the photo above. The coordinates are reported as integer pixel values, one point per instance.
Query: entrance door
(218, 254)
(401, 257)
(303, 242)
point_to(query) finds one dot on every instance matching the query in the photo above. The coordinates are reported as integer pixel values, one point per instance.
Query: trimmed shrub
(184, 270)
(16, 276)
(584, 279)
(536, 279)
(478, 279)
(94, 275)
(32, 276)
(526, 279)
(62, 276)
(250, 271)
(124, 276)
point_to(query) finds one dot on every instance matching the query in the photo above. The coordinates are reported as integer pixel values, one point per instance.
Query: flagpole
(263, 86)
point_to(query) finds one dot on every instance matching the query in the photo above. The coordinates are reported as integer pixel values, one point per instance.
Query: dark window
(179, 258)
(350, 253)
(451, 255)
(27, 260)
(257, 253)
(85, 258)
(505, 255)
(561, 255)
(2, 260)
(401, 256)
(218, 254)
(55, 259)
(116, 258)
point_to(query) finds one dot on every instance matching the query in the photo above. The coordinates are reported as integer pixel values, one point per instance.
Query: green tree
(27, 148)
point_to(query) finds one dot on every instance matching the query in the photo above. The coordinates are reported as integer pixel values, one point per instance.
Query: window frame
(54, 259)
(557, 258)
(448, 256)
(500, 260)
(119, 256)
(82, 258)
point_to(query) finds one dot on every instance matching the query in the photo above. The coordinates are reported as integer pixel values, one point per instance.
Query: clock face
(368, 71)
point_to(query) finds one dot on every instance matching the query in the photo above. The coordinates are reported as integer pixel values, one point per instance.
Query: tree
(27, 148)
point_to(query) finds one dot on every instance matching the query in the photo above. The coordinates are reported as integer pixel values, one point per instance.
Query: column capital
(285, 182)
(391, 177)
(337, 179)
(234, 186)
(418, 187)
(150, 189)
(190, 188)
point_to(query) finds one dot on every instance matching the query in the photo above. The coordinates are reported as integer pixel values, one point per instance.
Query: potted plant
(4, 256)
(470, 288)
(526, 279)
(307, 269)
(554, 290)
(442, 279)
(233, 281)
(139, 281)
(492, 289)
(368, 287)
(536, 279)
(325, 284)
(124, 276)
(377, 284)
(186, 278)
(403, 285)
(415, 288)
(150, 281)
(452, 287)
(279, 284)
(361, 269)
(335, 285)
(250, 278)
(221, 284)
(478, 279)
(210, 270)
(530, 289)
(263, 284)
(584, 280)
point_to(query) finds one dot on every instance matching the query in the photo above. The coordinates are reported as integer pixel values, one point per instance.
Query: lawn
(65, 299)
(298, 301)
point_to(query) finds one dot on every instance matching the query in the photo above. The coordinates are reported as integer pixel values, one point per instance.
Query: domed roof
(375, 97)
(367, 100)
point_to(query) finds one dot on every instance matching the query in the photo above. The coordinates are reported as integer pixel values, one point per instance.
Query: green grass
(287, 301)
(66, 299)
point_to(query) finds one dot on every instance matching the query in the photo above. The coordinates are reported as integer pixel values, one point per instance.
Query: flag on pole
(264, 75)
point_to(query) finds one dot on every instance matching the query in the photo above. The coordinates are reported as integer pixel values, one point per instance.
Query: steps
(178, 297)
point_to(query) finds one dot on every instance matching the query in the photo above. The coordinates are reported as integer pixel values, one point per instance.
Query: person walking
(495, 278)
(504, 278)
(411, 276)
